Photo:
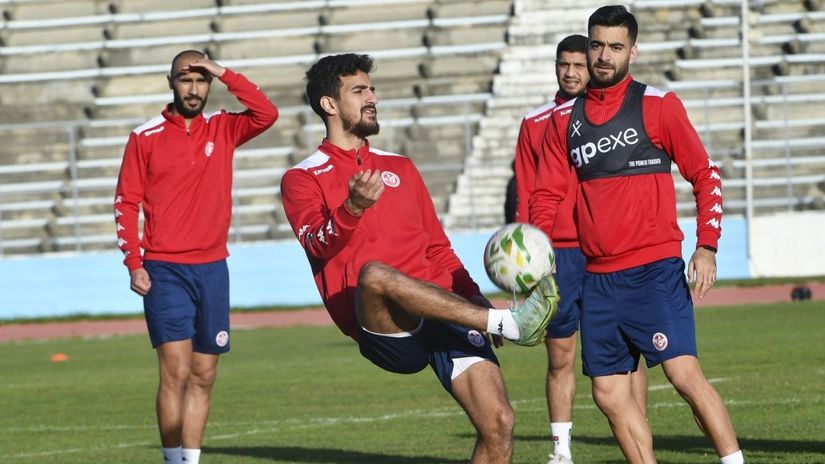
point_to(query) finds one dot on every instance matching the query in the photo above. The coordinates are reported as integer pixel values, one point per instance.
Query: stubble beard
(186, 111)
(363, 128)
(619, 73)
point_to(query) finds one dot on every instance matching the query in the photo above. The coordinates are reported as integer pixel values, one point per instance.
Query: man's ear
(329, 105)
(169, 80)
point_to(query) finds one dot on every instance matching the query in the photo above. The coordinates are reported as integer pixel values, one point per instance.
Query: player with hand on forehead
(178, 168)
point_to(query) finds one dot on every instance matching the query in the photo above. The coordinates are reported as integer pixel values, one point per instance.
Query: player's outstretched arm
(702, 271)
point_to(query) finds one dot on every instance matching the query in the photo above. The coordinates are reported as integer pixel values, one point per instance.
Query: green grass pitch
(304, 395)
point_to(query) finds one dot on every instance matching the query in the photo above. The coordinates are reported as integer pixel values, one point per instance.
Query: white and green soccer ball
(517, 256)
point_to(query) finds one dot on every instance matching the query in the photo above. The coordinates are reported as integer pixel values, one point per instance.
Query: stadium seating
(454, 79)
(84, 74)
(692, 47)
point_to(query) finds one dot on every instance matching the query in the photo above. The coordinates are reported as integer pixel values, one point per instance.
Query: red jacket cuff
(708, 238)
(133, 263)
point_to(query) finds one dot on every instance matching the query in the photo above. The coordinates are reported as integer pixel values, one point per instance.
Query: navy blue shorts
(570, 264)
(188, 301)
(434, 343)
(644, 310)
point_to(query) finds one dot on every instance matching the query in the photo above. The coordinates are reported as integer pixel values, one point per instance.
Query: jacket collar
(334, 151)
(609, 95)
(179, 121)
(560, 99)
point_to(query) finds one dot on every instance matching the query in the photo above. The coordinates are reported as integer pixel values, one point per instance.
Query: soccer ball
(517, 256)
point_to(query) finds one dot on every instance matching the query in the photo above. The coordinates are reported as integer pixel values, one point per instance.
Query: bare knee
(607, 399)
(373, 275)
(202, 378)
(499, 429)
(174, 375)
(687, 378)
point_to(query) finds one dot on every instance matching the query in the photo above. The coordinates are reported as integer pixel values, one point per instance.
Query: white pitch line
(668, 386)
(295, 424)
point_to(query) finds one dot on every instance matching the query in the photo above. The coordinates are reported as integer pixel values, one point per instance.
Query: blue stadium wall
(265, 274)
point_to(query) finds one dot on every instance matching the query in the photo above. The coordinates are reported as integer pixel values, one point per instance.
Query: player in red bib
(621, 138)
(572, 77)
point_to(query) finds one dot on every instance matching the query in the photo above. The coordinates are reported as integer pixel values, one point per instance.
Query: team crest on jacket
(660, 341)
(209, 148)
(475, 338)
(390, 179)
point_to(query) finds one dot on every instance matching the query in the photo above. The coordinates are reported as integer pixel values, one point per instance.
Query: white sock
(562, 436)
(501, 322)
(735, 458)
(172, 455)
(191, 455)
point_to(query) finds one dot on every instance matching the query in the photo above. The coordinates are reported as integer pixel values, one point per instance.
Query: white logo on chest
(209, 148)
(581, 155)
(390, 179)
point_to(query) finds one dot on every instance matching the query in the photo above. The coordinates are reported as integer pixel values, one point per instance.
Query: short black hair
(324, 77)
(575, 43)
(614, 16)
(187, 53)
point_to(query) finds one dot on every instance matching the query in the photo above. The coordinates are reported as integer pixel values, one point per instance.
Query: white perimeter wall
(788, 245)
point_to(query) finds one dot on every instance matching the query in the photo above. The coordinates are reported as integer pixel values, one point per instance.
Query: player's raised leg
(388, 300)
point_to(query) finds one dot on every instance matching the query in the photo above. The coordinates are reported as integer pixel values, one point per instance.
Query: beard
(362, 128)
(187, 111)
(601, 77)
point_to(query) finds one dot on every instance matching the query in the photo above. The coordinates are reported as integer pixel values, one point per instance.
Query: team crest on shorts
(390, 179)
(209, 148)
(660, 341)
(475, 338)
(222, 338)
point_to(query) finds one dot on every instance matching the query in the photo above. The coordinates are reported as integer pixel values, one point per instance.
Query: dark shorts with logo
(188, 301)
(645, 310)
(434, 343)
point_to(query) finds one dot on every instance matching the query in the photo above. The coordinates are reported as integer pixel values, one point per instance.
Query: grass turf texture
(304, 395)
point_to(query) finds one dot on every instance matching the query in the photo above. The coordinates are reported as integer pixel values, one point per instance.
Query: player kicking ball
(383, 264)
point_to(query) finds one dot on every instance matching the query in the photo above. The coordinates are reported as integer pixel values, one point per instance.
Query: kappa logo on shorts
(209, 148)
(660, 341)
(390, 179)
(222, 338)
(475, 338)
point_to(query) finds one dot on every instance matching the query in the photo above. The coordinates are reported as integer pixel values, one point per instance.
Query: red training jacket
(183, 179)
(401, 229)
(528, 152)
(629, 221)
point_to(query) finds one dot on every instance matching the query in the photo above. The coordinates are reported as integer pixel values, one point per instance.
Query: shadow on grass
(701, 445)
(323, 455)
